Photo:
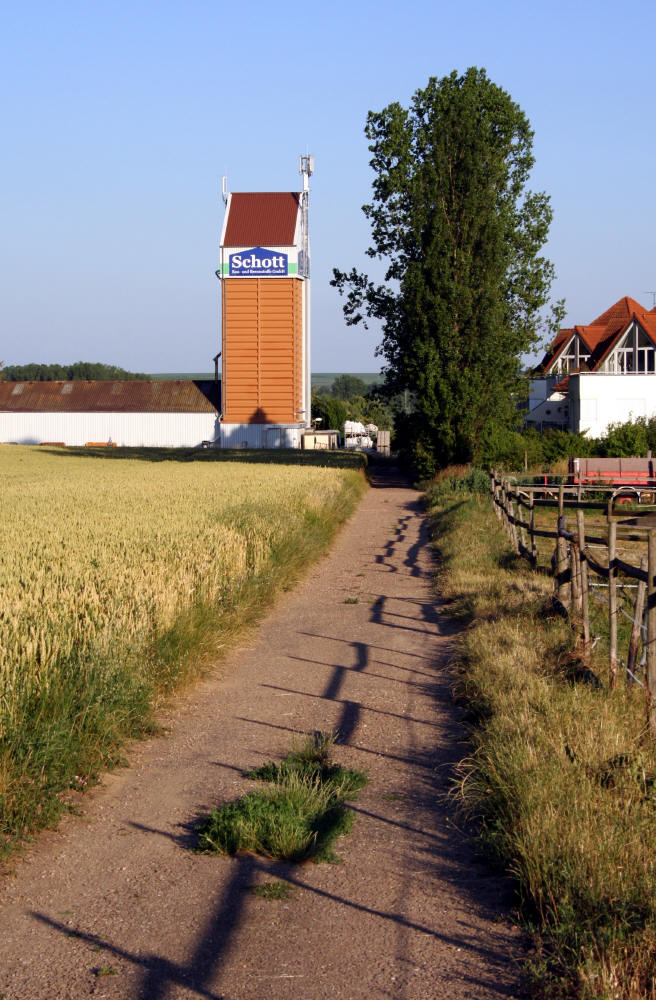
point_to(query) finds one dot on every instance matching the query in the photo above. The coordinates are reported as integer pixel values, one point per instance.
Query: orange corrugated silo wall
(262, 350)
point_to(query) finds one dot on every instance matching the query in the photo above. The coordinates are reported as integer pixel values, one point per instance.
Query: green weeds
(299, 814)
(273, 890)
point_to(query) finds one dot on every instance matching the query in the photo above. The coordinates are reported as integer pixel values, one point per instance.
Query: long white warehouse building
(166, 414)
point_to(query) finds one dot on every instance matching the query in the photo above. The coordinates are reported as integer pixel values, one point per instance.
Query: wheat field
(102, 559)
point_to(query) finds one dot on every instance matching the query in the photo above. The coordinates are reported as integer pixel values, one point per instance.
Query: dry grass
(120, 578)
(562, 778)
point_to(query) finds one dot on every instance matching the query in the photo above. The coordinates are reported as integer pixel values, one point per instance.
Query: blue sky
(119, 119)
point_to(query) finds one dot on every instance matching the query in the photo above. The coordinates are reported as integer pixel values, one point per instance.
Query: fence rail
(573, 563)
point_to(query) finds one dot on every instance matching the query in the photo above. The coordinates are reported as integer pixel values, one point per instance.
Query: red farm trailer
(631, 477)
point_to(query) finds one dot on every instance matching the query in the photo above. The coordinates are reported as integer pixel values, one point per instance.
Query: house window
(624, 360)
(571, 357)
(635, 353)
(645, 354)
(567, 362)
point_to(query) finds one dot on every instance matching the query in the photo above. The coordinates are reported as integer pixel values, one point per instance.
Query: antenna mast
(306, 169)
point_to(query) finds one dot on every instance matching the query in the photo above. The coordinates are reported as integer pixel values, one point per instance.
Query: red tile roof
(264, 218)
(162, 396)
(603, 333)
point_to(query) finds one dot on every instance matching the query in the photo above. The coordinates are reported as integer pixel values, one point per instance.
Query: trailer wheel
(626, 494)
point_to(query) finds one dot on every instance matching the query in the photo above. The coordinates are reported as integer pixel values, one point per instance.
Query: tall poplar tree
(461, 237)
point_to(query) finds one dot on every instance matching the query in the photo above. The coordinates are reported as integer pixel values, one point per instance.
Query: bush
(331, 411)
(513, 449)
(334, 410)
(458, 479)
(624, 440)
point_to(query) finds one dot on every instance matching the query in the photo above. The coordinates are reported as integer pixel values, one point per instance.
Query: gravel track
(115, 903)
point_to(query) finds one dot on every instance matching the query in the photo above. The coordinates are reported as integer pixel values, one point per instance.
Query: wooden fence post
(575, 578)
(583, 575)
(504, 505)
(636, 631)
(562, 589)
(534, 550)
(511, 523)
(651, 631)
(522, 530)
(495, 493)
(612, 598)
(561, 551)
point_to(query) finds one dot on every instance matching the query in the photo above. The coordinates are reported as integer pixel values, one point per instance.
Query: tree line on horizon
(79, 371)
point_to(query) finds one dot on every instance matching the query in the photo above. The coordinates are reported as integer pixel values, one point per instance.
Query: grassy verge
(136, 580)
(298, 815)
(562, 776)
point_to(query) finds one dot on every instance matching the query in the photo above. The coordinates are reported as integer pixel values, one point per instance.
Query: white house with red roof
(599, 374)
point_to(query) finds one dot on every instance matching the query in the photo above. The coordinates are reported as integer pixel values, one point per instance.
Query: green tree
(346, 386)
(78, 371)
(465, 280)
(332, 412)
(627, 439)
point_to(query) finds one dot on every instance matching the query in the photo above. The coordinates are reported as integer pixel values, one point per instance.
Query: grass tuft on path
(298, 815)
(560, 781)
(273, 890)
(311, 760)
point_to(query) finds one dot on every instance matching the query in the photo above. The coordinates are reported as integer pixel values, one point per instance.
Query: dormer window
(634, 354)
(573, 355)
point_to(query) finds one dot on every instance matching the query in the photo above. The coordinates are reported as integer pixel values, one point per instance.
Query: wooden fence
(573, 562)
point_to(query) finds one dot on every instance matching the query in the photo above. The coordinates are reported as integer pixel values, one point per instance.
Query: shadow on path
(429, 846)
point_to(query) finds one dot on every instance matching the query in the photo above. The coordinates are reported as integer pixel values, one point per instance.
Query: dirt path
(116, 904)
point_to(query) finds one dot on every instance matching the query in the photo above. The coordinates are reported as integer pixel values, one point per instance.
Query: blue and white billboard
(257, 263)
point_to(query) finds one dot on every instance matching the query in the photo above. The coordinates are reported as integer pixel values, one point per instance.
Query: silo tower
(265, 316)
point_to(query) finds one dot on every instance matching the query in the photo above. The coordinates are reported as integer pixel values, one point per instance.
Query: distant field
(117, 579)
(319, 379)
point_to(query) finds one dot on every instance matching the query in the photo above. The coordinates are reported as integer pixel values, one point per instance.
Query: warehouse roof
(165, 396)
(262, 218)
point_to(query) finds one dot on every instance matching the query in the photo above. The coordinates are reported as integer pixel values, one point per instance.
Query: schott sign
(257, 263)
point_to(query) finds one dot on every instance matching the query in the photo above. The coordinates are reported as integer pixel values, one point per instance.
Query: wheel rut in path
(116, 904)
